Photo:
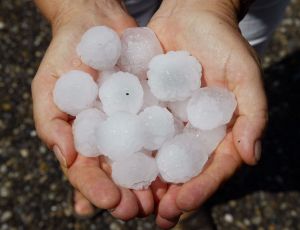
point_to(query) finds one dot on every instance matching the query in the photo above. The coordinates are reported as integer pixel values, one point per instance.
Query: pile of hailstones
(146, 111)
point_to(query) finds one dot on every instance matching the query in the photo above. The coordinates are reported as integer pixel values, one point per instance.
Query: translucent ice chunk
(120, 136)
(179, 109)
(149, 99)
(158, 125)
(181, 158)
(135, 172)
(139, 46)
(122, 92)
(106, 74)
(99, 48)
(211, 107)
(174, 76)
(209, 139)
(75, 91)
(84, 128)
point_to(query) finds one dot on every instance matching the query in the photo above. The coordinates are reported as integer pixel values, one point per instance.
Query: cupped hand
(89, 176)
(209, 31)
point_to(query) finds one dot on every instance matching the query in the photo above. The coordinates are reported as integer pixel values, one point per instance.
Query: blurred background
(35, 195)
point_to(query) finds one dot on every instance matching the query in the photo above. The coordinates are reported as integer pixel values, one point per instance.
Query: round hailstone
(210, 139)
(149, 99)
(159, 126)
(99, 48)
(75, 91)
(181, 159)
(179, 109)
(137, 171)
(84, 128)
(122, 92)
(211, 107)
(174, 76)
(139, 46)
(106, 74)
(120, 136)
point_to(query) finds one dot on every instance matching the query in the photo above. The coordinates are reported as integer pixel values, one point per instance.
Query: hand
(89, 176)
(209, 31)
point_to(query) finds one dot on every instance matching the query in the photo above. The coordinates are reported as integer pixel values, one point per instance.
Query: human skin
(89, 176)
(209, 31)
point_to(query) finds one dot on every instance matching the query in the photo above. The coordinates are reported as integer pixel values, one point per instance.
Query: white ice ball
(159, 126)
(137, 171)
(181, 159)
(84, 131)
(179, 109)
(120, 136)
(211, 107)
(121, 92)
(149, 98)
(99, 48)
(139, 46)
(174, 76)
(210, 139)
(75, 91)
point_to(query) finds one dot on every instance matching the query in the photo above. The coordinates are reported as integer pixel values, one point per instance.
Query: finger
(128, 207)
(82, 206)
(159, 188)
(87, 177)
(224, 163)
(144, 201)
(252, 112)
(164, 223)
(168, 208)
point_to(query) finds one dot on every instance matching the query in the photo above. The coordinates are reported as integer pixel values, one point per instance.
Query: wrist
(83, 13)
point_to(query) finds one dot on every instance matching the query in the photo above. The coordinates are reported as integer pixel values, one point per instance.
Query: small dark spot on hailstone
(127, 94)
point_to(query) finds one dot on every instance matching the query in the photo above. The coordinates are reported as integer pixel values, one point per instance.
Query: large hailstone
(211, 107)
(209, 139)
(159, 126)
(137, 171)
(84, 131)
(174, 76)
(121, 92)
(99, 48)
(139, 46)
(181, 158)
(75, 91)
(120, 136)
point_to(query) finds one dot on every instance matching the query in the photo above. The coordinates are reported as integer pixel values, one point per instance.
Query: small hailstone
(211, 107)
(174, 76)
(84, 128)
(75, 91)
(158, 125)
(120, 136)
(181, 158)
(137, 171)
(179, 109)
(149, 99)
(139, 46)
(99, 48)
(122, 92)
(106, 74)
(209, 139)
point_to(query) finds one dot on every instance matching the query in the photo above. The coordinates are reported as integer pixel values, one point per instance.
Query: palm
(228, 61)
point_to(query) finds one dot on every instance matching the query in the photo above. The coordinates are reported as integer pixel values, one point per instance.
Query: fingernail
(111, 210)
(59, 156)
(257, 150)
